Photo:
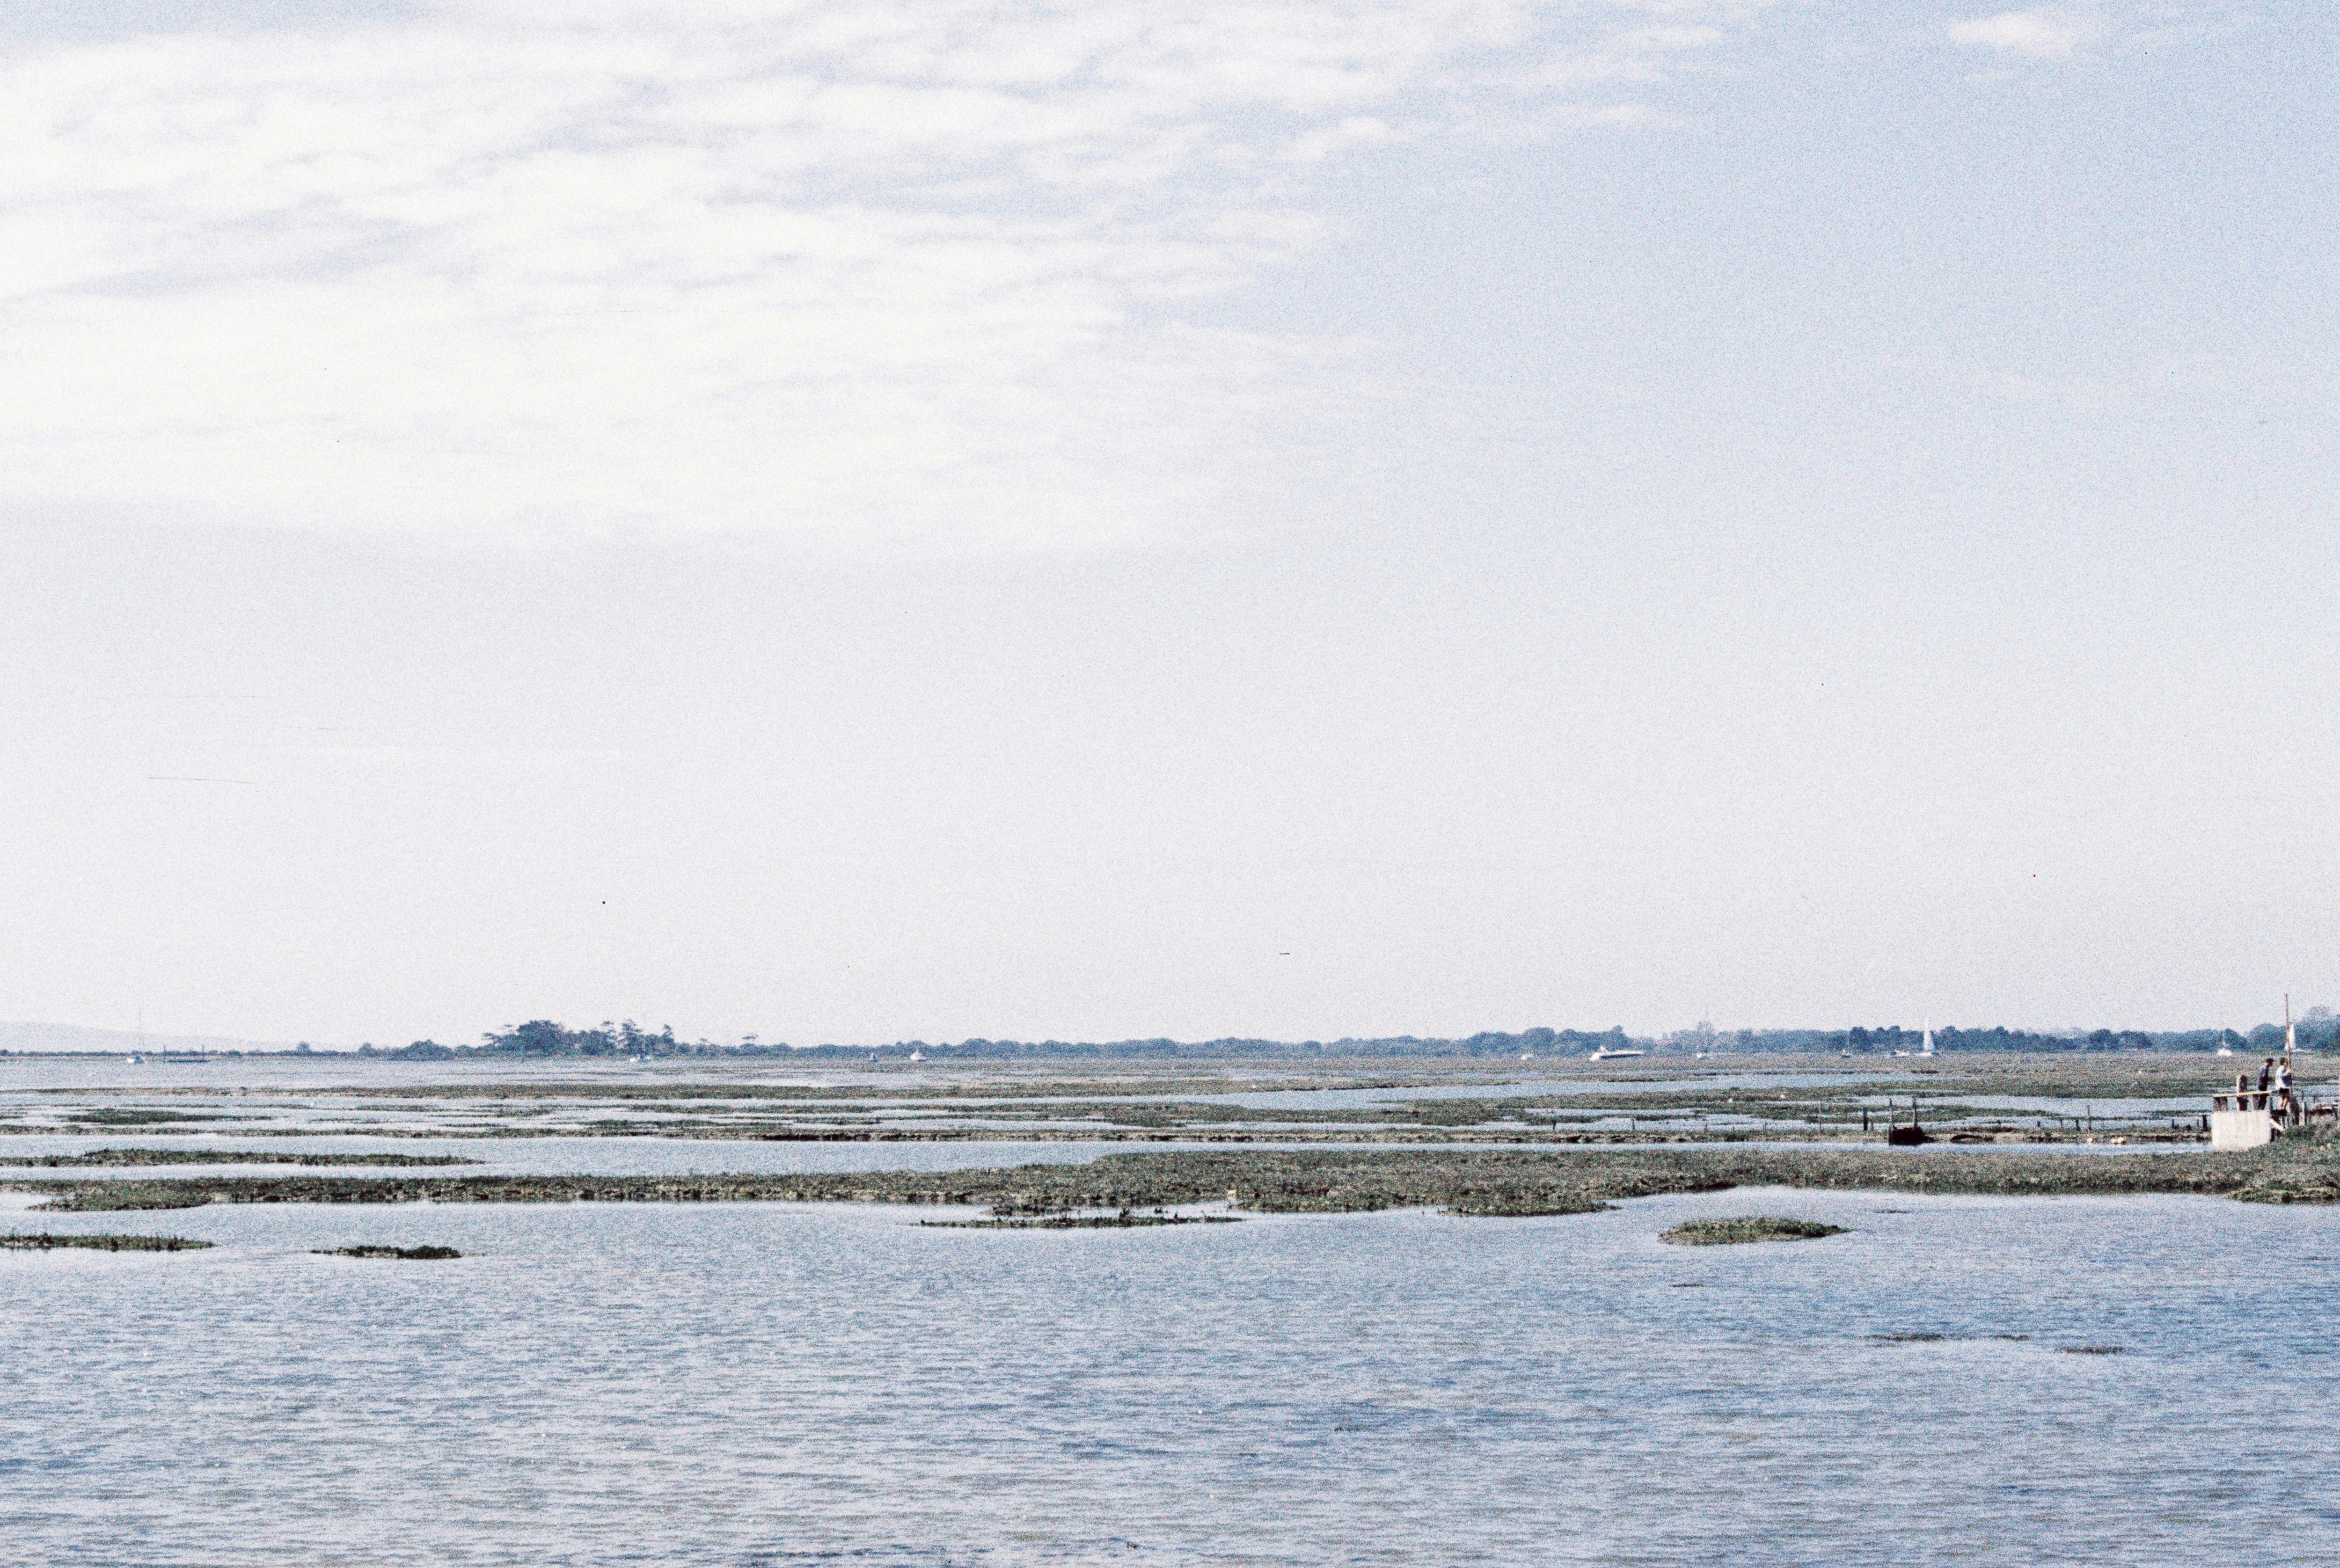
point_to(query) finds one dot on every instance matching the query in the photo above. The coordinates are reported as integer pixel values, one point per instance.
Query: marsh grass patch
(44, 1242)
(134, 1158)
(1125, 1220)
(1747, 1228)
(410, 1254)
(2318, 1188)
(129, 1194)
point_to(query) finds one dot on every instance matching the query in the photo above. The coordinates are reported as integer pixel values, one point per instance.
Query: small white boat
(1607, 1055)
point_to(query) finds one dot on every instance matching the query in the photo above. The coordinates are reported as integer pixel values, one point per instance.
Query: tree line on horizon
(544, 1038)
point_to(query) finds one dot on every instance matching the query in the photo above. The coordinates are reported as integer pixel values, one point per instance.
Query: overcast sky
(856, 520)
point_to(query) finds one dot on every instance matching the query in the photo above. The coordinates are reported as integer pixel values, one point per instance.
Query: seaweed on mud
(2093, 1349)
(411, 1254)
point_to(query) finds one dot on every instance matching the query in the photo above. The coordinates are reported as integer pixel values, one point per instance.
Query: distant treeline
(1891, 1037)
(544, 1038)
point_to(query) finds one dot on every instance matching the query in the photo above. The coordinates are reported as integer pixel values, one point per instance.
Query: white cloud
(856, 268)
(1356, 131)
(2042, 35)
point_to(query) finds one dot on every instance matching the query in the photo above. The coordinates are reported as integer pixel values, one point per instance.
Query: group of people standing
(2275, 1079)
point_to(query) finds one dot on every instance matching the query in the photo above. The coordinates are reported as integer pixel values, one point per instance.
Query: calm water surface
(750, 1383)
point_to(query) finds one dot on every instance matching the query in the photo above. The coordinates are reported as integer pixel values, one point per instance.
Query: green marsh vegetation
(1668, 1100)
(138, 1117)
(1124, 1220)
(99, 1197)
(130, 1157)
(1481, 1181)
(1750, 1228)
(44, 1242)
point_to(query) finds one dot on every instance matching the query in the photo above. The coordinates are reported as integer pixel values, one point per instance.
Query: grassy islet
(1751, 1227)
(47, 1241)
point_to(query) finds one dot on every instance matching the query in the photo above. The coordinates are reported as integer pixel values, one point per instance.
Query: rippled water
(749, 1384)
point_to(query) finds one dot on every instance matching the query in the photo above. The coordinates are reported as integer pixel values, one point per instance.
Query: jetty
(2243, 1118)
(2252, 1118)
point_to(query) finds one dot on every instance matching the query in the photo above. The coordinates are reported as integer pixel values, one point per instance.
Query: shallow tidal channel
(747, 1384)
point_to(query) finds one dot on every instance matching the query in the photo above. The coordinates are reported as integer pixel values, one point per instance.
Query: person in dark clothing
(2267, 1074)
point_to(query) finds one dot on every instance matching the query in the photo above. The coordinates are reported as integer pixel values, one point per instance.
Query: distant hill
(43, 1037)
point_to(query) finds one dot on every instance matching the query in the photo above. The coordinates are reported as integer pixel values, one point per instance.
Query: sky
(858, 521)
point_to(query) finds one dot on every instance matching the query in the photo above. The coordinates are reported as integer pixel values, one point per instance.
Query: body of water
(776, 1383)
